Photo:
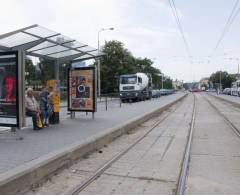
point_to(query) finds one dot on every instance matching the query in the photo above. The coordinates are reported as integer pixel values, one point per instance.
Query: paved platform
(35, 144)
(215, 156)
(151, 167)
(233, 99)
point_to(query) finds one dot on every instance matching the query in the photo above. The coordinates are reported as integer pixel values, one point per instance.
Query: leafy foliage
(118, 60)
(32, 74)
(226, 79)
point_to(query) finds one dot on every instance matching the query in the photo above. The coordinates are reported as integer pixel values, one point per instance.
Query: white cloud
(146, 27)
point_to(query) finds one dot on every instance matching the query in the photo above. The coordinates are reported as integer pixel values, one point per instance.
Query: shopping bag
(39, 121)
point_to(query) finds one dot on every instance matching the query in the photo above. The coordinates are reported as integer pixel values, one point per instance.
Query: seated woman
(32, 108)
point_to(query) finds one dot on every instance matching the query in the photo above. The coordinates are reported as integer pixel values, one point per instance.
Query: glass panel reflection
(64, 54)
(42, 46)
(50, 50)
(17, 39)
(41, 31)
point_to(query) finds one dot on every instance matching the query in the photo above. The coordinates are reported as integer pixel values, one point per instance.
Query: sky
(146, 27)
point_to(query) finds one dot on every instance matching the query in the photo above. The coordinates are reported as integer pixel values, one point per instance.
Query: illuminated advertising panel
(8, 89)
(81, 89)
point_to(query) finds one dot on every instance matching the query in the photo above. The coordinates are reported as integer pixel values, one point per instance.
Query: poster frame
(17, 88)
(92, 68)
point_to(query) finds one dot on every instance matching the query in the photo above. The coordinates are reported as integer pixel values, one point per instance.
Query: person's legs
(43, 115)
(34, 118)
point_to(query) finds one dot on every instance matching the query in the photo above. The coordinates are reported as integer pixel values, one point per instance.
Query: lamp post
(162, 75)
(162, 79)
(98, 66)
(220, 87)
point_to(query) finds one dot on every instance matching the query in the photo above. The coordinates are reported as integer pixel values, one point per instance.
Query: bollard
(106, 102)
(72, 115)
(13, 129)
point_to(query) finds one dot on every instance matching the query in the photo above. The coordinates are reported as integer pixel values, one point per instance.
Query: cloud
(146, 27)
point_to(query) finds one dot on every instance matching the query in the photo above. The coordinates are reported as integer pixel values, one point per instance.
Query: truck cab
(135, 87)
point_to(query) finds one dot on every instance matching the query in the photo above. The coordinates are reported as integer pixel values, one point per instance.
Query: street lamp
(162, 79)
(162, 75)
(98, 67)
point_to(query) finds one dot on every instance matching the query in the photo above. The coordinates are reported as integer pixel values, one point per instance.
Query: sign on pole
(9, 115)
(81, 89)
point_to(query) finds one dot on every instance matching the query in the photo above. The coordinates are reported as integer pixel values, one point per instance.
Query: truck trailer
(135, 87)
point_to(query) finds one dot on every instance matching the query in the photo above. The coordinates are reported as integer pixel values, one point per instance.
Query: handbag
(39, 121)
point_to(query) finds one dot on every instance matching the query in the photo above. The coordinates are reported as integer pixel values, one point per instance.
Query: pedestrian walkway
(35, 144)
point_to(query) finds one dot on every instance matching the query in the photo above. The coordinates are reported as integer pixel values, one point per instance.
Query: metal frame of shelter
(41, 42)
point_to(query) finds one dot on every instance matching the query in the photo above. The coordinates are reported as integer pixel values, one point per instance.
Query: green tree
(32, 74)
(145, 65)
(118, 61)
(226, 79)
(167, 84)
(47, 69)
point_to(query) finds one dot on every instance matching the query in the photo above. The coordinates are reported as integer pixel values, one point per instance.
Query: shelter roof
(39, 41)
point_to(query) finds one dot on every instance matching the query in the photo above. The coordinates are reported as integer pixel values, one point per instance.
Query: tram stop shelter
(41, 42)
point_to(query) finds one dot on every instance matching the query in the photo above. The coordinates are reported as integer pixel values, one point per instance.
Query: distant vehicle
(196, 90)
(166, 91)
(156, 93)
(135, 87)
(235, 90)
(227, 91)
(211, 90)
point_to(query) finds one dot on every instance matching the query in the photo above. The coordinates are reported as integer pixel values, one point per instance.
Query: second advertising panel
(81, 92)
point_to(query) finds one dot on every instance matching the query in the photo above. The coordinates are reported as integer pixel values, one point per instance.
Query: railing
(106, 98)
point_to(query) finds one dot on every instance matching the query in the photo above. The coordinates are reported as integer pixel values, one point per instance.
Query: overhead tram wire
(175, 14)
(228, 24)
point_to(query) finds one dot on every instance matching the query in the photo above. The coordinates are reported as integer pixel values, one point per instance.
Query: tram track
(224, 117)
(183, 175)
(185, 164)
(105, 166)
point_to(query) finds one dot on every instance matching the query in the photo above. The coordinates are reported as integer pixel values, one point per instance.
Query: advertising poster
(81, 91)
(8, 89)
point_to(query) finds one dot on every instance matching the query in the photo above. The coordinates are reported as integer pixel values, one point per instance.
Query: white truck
(135, 87)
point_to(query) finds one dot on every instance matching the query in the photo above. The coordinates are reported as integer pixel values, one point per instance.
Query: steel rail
(184, 170)
(103, 168)
(227, 121)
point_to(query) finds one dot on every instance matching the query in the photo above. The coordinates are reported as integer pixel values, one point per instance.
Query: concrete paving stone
(127, 185)
(221, 176)
(227, 146)
(214, 161)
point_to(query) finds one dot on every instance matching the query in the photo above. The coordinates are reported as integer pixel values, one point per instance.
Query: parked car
(211, 90)
(235, 90)
(156, 93)
(227, 91)
(166, 91)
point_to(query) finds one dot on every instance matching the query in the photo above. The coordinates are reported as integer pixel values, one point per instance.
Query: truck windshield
(128, 79)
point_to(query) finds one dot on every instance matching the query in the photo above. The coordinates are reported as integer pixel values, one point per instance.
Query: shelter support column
(21, 86)
(56, 70)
